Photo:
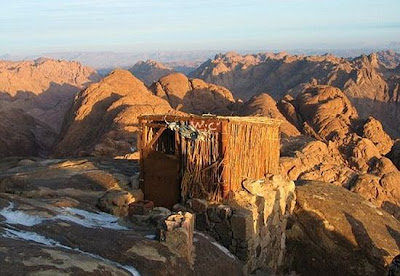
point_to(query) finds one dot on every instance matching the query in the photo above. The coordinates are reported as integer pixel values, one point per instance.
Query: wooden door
(161, 180)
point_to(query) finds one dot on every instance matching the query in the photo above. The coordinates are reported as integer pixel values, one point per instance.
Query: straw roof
(231, 119)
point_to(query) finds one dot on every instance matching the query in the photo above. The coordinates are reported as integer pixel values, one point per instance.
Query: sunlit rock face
(369, 82)
(150, 71)
(43, 88)
(34, 97)
(103, 120)
(335, 230)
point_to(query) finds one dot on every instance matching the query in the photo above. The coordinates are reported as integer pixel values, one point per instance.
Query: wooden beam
(154, 125)
(155, 137)
(225, 154)
(141, 146)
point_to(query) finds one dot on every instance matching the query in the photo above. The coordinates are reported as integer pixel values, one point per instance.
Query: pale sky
(32, 26)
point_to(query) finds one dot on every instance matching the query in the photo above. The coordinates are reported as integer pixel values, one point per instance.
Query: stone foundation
(177, 233)
(252, 223)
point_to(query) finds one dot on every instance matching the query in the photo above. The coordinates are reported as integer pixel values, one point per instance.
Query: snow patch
(89, 219)
(150, 237)
(34, 237)
(84, 218)
(19, 217)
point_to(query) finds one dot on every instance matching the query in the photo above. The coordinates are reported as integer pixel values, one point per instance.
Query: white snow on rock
(84, 218)
(19, 217)
(34, 237)
(89, 219)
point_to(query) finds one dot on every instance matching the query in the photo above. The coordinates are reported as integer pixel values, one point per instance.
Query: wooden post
(225, 154)
(142, 146)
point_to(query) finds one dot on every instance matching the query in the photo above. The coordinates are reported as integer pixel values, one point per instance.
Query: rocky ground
(50, 225)
(336, 232)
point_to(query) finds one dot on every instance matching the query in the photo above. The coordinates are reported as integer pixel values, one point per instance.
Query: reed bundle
(253, 152)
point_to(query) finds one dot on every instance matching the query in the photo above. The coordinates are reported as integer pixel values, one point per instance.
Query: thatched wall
(253, 151)
(234, 149)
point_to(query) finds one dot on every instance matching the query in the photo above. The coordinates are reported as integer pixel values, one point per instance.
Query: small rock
(134, 180)
(213, 214)
(202, 222)
(179, 207)
(142, 207)
(122, 179)
(198, 205)
(26, 162)
(116, 202)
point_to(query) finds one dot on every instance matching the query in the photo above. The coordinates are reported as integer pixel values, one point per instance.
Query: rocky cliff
(264, 105)
(44, 88)
(340, 148)
(23, 135)
(193, 95)
(390, 59)
(150, 71)
(103, 119)
(370, 85)
(34, 97)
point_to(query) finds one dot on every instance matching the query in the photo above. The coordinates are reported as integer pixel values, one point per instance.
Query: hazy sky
(31, 26)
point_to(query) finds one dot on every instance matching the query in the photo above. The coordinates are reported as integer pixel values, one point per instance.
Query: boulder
(193, 95)
(264, 105)
(373, 130)
(287, 106)
(336, 232)
(308, 159)
(117, 202)
(394, 154)
(103, 120)
(327, 112)
(177, 233)
(383, 191)
(364, 154)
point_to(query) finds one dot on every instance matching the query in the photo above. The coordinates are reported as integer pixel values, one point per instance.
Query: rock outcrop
(309, 159)
(265, 105)
(150, 71)
(344, 150)
(370, 85)
(193, 95)
(326, 112)
(43, 88)
(372, 129)
(390, 59)
(34, 97)
(23, 135)
(251, 224)
(103, 120)
(394, 154)
(336, 232)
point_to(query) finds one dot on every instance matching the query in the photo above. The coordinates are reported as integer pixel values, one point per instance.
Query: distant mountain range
(105, 61)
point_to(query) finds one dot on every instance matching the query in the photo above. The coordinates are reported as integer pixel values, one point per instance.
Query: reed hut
(205, 157)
